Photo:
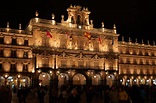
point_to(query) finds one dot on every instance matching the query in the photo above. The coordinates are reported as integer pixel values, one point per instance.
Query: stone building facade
(72, 52)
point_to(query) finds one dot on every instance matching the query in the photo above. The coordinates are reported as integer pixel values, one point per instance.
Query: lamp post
(51, 74)
(5, 77)
(38, 74)
(55, 78)
(18, 80)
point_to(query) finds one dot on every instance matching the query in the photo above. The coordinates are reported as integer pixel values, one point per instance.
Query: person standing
(123, 96)
(113, 95)
(41, 94)
(74, 97)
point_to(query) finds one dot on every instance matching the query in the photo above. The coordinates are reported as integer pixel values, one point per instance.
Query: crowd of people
(76, 94)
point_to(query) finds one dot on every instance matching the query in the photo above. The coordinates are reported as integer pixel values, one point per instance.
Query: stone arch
(63, 78)
(142, 81)
(44, 79)
(128, 82)
(79, 79)
(72, 19)
(110, 79)
(79, 22)
(96, 79)
(25, 81)
(2, 83)
(134, 81)
(13, 81)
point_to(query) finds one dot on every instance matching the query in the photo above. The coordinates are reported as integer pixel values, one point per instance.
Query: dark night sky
(133, 18)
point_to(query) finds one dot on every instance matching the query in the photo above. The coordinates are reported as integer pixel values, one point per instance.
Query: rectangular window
(13, 68)
(1, 40)
(26, 42)
(25, 68)
(1, 67)
(14, 41)
(13, 53)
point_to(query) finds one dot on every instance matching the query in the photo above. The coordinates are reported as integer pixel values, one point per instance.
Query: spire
(114, 28)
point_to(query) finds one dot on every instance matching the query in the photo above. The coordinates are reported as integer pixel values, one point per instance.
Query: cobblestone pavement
(34, 99)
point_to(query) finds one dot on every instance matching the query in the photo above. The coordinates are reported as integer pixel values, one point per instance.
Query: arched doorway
(96, 79)
(110, 79)
(134, 82)
(44, 79)
(128, 82)
(62, 79)
(25, 81)
(79, 79)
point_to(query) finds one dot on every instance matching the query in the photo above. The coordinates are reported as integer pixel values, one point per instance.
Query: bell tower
(78, 17)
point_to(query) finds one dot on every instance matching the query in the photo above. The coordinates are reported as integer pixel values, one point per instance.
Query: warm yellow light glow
(36, 19)
(18, 76)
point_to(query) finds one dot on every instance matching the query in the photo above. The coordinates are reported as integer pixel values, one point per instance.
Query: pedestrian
(89, 94)
(123, 96)
(106, 94)
(41, 94)
(113, 95)
(74, 97)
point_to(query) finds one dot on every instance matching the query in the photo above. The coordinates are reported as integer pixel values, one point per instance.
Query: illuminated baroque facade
(72, 52)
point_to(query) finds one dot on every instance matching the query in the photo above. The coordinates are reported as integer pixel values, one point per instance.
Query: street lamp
(38, 74)
(6, 77)
(55, 78)
(18, 80)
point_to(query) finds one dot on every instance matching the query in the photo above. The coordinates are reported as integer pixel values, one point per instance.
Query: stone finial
(114, 28)
(153, 42)
(62, 18)
(20, 27)
(136, 40)
(7, 24)
(86, 9)
(102, 24)
(36, 13)
(148, 42)
(122, 38)
(91, 22)
(129, 39)
(53, 16)
(142, 41)
(71, 5)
